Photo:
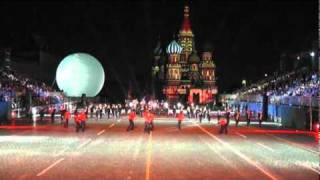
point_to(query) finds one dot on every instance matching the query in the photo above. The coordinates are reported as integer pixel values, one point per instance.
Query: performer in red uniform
(180, 118)
(224, 125)
(132, 117)
(148, 116)
(66, 117)
(82, 118)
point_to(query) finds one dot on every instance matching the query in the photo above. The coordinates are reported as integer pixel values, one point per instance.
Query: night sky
(247, 36)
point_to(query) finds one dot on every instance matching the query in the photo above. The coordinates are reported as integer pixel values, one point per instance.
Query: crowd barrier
(291, 112)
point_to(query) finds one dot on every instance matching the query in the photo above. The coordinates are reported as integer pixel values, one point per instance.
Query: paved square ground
(107, 151)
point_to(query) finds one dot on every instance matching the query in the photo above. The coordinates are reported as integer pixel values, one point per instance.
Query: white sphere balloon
(80, 73)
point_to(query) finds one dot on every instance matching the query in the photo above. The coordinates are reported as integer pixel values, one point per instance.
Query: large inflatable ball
(80, 73)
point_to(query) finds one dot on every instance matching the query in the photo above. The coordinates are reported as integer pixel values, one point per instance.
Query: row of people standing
(80, 118)
(106, 110)
(149, 118)
(224, 121)
(249, 116)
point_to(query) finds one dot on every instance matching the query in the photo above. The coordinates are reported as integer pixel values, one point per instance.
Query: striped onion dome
(174, 48)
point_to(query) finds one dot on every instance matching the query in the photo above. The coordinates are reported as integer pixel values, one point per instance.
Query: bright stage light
(80, 73)
(312, 54)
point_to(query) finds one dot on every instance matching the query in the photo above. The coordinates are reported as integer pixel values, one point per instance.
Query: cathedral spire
(186, 25)
(186, 11)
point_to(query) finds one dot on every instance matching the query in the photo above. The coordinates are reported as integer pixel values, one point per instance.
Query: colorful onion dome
(174, 48)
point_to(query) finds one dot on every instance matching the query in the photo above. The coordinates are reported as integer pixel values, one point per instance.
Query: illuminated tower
(174, 68)
(194, 74)
(186, 41)
(173, 74)
(207, 69)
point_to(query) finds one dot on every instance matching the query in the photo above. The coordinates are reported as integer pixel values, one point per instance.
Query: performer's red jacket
(67, 115)
(180, 117)
(222, 121)
(132, 115)
(149, 117)
(82, 116)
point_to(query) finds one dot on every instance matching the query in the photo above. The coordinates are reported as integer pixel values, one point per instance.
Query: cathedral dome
(174, 48)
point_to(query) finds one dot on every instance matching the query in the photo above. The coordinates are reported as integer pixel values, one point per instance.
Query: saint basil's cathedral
(181, 75)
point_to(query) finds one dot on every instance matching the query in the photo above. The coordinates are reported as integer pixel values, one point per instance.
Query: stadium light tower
(244, 83)
(312, 54)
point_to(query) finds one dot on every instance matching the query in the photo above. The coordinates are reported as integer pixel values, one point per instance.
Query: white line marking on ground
(241, 135)
(310, 168)
(244, 157)
(231, 164)
(62, 151)
(266, 147)
(111, 125)
(101, 132)
(51, 166)
(294, 144)
(214, 150)
(84, 143)
(149, 153)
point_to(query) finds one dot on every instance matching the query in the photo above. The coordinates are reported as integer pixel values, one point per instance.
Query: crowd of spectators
(19, 89)
(297, 83)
